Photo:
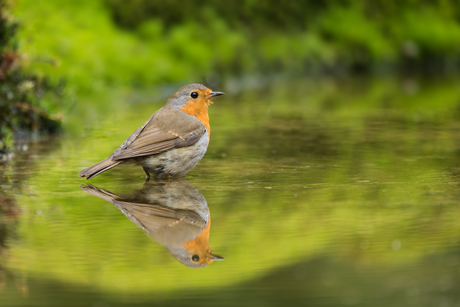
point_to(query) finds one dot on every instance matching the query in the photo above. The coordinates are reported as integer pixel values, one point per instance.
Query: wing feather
(152, 141)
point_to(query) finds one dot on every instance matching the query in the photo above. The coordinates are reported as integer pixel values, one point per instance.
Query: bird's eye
(194, 95)
(195, 257)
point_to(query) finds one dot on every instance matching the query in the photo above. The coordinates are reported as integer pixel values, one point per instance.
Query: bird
(171, 142)
(173, 213)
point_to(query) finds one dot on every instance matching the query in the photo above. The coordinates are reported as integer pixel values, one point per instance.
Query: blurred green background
(143, 43)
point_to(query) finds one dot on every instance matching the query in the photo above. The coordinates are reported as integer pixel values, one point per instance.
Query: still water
(331, 192)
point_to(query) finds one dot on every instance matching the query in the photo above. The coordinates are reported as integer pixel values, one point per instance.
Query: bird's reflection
(173, 213)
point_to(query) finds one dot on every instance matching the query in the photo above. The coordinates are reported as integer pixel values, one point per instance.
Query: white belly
(176, 162)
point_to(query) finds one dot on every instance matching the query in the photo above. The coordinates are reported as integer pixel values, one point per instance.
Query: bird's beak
(214, 94)
(216, 258)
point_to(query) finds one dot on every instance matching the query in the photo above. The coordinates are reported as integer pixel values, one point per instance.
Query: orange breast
(199, 109)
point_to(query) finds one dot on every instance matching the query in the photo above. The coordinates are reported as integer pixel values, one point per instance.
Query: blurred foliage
(148, 42)
(353, 34)
(262, 16)
(27, 102)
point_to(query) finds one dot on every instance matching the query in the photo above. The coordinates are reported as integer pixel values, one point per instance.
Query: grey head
(196, 93)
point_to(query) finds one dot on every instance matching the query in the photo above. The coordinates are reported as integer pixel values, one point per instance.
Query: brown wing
(158, 135)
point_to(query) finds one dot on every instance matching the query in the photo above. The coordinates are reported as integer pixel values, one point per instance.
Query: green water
(330, 192)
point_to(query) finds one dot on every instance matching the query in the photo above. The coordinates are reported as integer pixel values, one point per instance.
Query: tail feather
(99, 168)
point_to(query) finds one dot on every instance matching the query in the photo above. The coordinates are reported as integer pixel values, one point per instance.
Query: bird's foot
(147, 177)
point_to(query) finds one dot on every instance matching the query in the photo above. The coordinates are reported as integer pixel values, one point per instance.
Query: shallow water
(334, 192)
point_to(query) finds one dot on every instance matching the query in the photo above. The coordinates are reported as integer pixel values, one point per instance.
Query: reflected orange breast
(200, 245)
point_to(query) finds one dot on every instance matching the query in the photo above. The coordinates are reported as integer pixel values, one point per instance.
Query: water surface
(331, 192)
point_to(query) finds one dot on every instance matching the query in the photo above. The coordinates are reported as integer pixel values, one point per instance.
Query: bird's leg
(169, 176)
(147, 173)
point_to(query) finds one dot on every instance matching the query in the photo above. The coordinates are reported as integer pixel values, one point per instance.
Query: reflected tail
(95, 191)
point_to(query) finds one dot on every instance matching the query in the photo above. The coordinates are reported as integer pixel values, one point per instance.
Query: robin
(172, 141)
(174, 214)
